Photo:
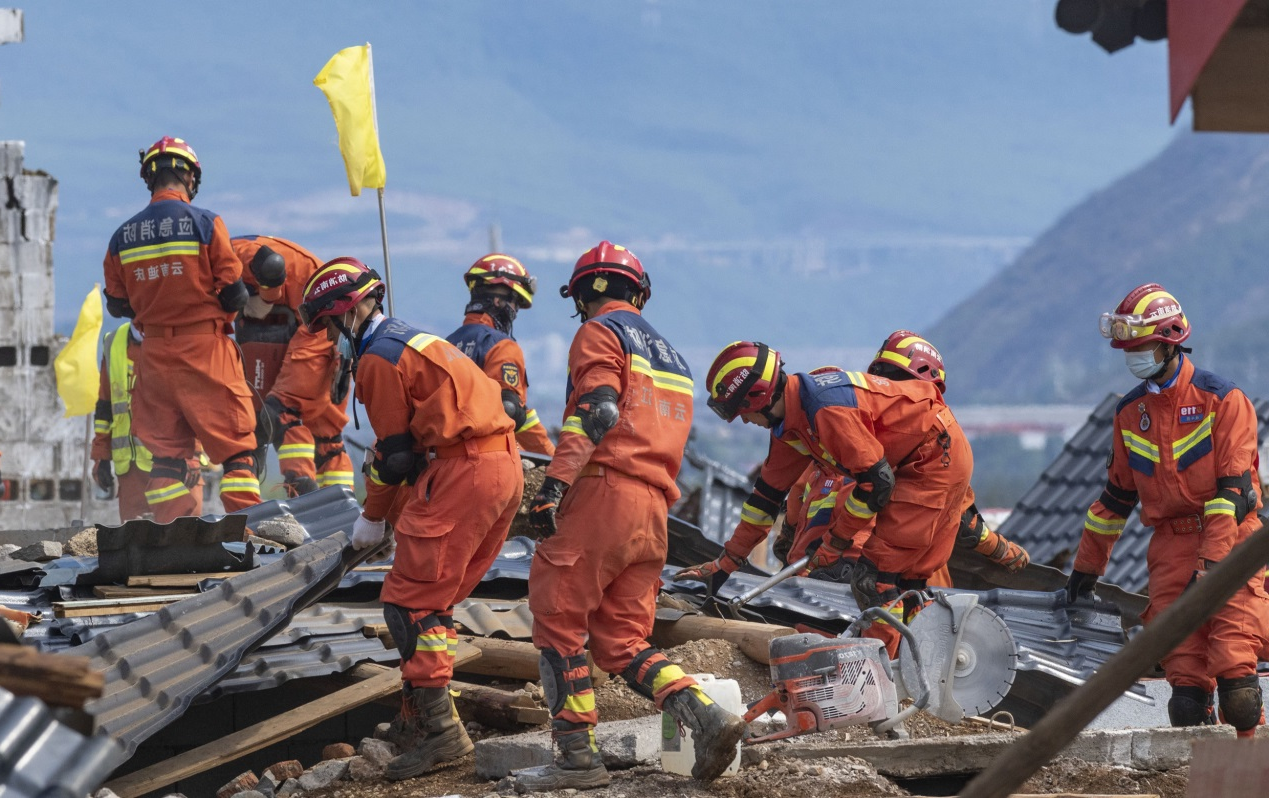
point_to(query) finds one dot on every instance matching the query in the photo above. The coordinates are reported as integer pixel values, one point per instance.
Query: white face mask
(1143, 365)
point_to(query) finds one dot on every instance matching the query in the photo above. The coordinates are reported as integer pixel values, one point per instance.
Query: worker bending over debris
(1184, 446)
(303, 412)
(118, 456)
(602, 516)
(172, 269)
(500, 288)
(897, 439)
(444, 441)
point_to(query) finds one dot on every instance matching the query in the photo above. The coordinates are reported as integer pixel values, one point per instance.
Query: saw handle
(880, 614)
(771, 581)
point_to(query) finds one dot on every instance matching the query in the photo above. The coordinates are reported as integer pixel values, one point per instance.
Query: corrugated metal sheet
(42, 758)
(1049, 519)
(322, 513)
(184, 546)
(155, 666)
(507, 620)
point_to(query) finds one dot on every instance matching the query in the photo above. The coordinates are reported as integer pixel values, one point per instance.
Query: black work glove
(863, 583)
(839, 571)
(103, 475)
(542, 508)
(784, 543)
(1080, 586)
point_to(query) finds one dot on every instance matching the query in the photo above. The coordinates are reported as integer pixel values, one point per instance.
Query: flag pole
(86, 486)
(383, 216)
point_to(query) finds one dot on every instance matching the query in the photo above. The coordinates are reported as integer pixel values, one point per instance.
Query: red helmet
(910, 352)
(170, 153)
(498, 269)
(336, 288)
(602, 262)
(1148, 313)
(744, 378)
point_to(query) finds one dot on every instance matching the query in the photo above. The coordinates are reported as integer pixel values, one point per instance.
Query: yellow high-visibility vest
(125, 449)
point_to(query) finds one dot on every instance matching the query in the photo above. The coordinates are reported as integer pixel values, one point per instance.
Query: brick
(623, 743)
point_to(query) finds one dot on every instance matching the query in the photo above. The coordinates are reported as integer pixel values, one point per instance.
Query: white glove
(367, 533)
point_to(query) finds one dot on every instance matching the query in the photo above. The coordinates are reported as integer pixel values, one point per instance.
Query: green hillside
(1196, 219)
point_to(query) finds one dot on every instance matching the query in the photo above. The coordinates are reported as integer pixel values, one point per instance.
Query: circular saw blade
(966, 645)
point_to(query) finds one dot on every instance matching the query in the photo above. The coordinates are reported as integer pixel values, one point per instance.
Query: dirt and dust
(83, 544)
(1074, 776)
(533, 479)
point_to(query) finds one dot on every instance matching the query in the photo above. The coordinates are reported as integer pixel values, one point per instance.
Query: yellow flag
(348, 81)
(76, 365)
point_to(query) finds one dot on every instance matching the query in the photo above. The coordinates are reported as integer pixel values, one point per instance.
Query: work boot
(430, 736)
(715, 731)
(578, 766)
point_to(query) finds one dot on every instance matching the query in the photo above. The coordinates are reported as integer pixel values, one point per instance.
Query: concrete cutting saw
(956, 659)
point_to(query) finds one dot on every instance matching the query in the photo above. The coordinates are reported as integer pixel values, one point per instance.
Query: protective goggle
(1127, 326)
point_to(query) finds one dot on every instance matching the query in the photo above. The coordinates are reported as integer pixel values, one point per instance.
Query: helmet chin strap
(766, 413)
(502, 311)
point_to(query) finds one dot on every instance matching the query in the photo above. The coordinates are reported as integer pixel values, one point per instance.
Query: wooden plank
(56, 679)
(178, 580)
(83, 609)
(754, 639)
(514, 659)
(498, 709)
(382, 682)
(117, 592)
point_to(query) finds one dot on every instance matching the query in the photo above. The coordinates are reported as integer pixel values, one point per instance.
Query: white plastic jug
(677, 752)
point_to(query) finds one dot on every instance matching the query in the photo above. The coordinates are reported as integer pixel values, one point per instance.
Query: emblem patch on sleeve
(511, 375)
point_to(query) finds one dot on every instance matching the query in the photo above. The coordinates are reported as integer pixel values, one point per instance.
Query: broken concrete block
(1168, 748)
(283, 530)
(362, 769)
(281, 771)
(323, 774)
(624, 744)
(289, 787)
(241, 783)
(337, 751)
(248, 794)
(43, 551)
(6, 552)
(381, 752)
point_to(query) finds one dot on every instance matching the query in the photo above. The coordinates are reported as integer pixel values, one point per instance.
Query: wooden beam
(754, 639)
(178, 580)
(498, 709)
(56, 679)
(116, 592)
(382, 682)
(81, 609)
(514, 659)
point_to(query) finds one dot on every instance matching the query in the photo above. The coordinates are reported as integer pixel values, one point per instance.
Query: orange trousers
(449, 532)
(915, 533)
(130, 489)
(191, 387)
(597, 577)
(313, 448)
(1228, 644)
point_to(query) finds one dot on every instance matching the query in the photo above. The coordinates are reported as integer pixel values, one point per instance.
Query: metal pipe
(769, 582)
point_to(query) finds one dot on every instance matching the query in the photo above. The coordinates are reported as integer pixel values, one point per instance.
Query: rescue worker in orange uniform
(1184, 446)
(304, 409)
(897, 439)
(117, 454)
(173, 271)
(443, 439)
(602, 516)
(500, 288)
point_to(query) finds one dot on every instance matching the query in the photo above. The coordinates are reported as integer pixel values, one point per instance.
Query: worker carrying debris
(500, 288)
(118, 456)
(303, 412)
(1184, 446)
(172, 269)
(602, 516)
(897, 439)
(446, 444)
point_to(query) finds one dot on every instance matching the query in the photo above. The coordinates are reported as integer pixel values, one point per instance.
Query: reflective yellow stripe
(857, 508)
(825, 503)
(291, 451)
(573, 424)
(125, 449)
(768, 371)
(661, 379)
(799, 447)
(1187, 443)
(101, 426)
(422, 341)
(1104, 526)
(162, 250)
(752, 515)
(239, 485)
(1219, 506)
(160, 495)
(667, 675)
(857, 379)
(580, 703)
(531, 420)
(328, 478)
(433, 642)
(1140, 445)
(373, 476)
(451, 647)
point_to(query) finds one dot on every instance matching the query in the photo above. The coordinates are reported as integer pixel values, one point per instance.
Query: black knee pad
(1190, 706)
(242, 461)
(168, 467)
(1241, 703)
(631, 673)
(405, 633)
(561, 677)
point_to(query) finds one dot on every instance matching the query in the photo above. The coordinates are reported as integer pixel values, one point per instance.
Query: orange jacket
(617, 348)
(819, 510)
(419, 384)
(503, 360)
(845, 421)
(170, 261)
(1168, 450)
(295, 381)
